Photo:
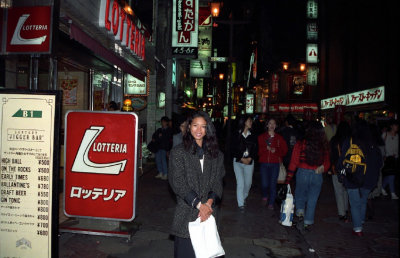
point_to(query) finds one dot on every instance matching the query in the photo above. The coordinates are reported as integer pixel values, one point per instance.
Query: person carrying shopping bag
(196, 169)
(310, 158)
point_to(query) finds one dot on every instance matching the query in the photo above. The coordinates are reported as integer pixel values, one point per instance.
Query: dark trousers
(183, 248)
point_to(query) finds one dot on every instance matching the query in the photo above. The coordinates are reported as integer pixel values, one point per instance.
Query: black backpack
(354, 165)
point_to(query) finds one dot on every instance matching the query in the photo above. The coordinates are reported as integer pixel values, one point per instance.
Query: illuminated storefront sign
(249, 103)
(201, 67)
(161, 99)
(312, 75)
(357, 98)
(312, 53)
(293, 108)
(29, 29)
(312, 9)
(185, 18)
(100, 165)
(199, 86)
(135, 86)
(312, 31)
(122, 27)
(29, 174)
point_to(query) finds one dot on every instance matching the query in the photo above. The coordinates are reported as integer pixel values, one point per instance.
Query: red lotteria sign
(100, 165)
(124, 29)
(29, 29)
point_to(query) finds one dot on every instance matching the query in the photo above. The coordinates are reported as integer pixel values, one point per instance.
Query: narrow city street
(255, 233)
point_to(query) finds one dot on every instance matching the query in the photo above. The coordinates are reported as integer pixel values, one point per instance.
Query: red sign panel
(100, 165)
(29, 29)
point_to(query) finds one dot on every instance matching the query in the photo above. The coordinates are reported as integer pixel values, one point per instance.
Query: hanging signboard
(312, 53)
(134, 86)
(29, 29)
(201, 67)
(29, 150)
(185, 19)
(312, 31)
(100, 165)
(312, 9)
(312, 75)
(249, 103)
(366, 96)
(356, 98)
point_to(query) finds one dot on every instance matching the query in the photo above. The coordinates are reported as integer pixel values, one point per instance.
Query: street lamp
(221, 76)
(302, 67)
(215, 6)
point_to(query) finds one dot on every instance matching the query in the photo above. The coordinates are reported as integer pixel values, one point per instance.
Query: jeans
(161, 161)
(308, 188)
(342, 199)
(269, 177)
(388, 180)
(244, 177)
(358, 204)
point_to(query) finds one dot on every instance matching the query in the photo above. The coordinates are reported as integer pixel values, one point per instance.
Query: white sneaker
(384, 193)
(159, 175)
(164, 177)
(394, 196)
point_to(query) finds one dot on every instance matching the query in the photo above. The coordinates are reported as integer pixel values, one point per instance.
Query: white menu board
(27, 124)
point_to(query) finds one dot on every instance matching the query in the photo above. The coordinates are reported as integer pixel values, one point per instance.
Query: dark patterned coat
(190, 185)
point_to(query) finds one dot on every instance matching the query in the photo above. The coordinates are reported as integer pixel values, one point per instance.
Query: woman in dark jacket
(196, 169)
(244, 151)
(358, 195)
(342, 200)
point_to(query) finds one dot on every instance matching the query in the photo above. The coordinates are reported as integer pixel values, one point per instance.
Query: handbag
(287, 209)
(205, 238)
(282, 174)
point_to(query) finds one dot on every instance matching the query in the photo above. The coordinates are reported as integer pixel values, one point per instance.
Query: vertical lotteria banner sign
(100, 165)
(29, 29)
(185, 20)
(29, 161)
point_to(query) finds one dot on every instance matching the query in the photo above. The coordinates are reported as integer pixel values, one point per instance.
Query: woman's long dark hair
(316, 144)
(210, 141)
(343, 132)
(242, 122)
(361, 134)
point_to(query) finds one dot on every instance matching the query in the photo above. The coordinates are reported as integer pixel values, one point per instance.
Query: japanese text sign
(100, 164)
(356, 98)
(185, 19)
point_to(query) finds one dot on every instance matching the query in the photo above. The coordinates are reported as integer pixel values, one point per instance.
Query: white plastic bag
(205, 238)
(287, 209)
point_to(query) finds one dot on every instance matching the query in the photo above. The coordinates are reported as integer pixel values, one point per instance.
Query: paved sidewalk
(256, 233)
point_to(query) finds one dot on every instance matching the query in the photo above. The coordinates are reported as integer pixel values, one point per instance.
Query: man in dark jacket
(163, 138)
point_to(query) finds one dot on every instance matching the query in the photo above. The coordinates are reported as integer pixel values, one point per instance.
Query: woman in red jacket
(271, 149)
(311, 158)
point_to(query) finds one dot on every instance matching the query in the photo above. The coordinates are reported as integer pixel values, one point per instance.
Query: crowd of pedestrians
(310, 151)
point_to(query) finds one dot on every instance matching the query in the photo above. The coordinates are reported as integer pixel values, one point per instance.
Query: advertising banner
(100, 165)
(29, 29)
(356, 98)
(29, 174)
(185, 20)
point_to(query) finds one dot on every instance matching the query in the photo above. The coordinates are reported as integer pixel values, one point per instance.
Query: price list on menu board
(26, 174)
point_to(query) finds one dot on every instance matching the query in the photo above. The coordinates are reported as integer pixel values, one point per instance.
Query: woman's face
(248, 123)
(271, 125)
(198, 129)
